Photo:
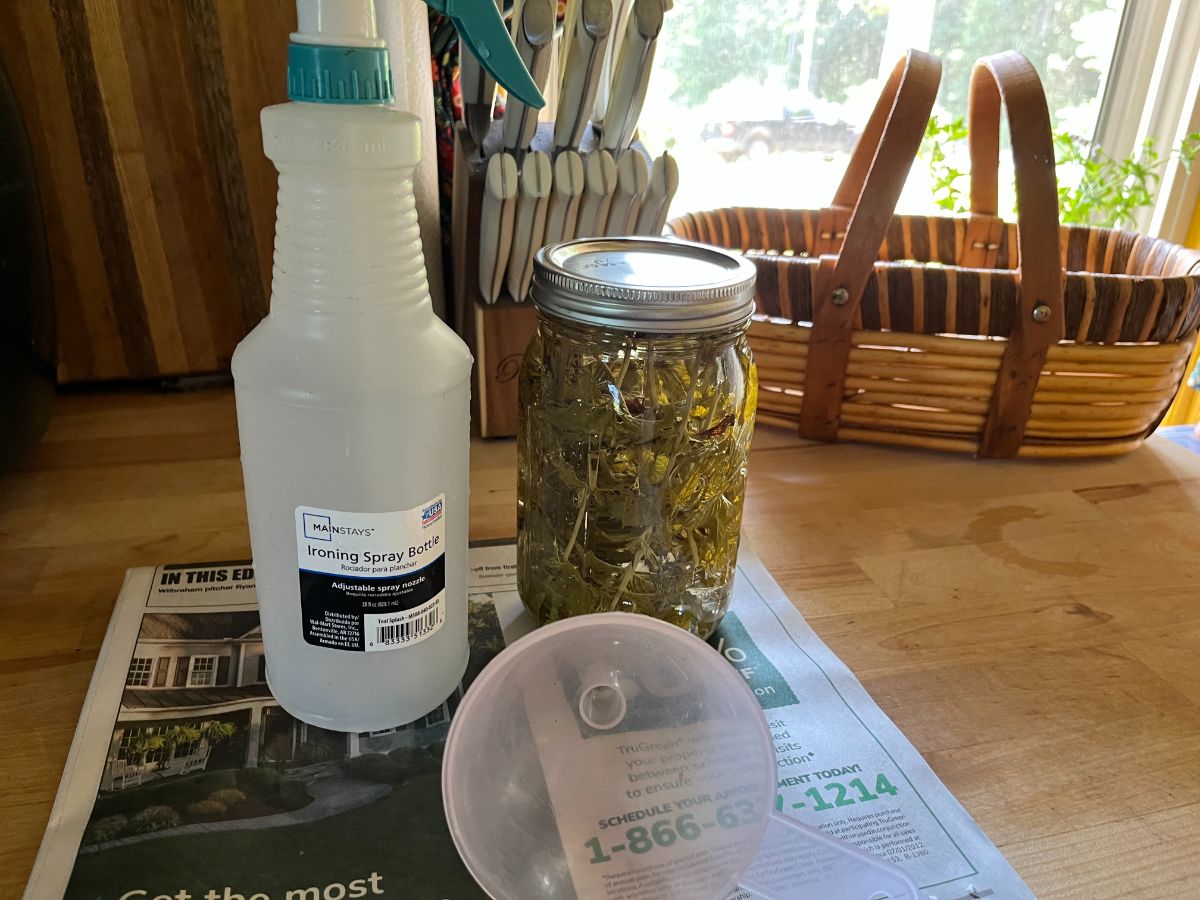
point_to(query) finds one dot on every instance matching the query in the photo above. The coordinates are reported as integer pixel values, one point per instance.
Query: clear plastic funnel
(615, 757)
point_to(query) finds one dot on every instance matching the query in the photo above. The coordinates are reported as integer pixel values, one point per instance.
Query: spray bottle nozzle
(359, 71)
(482, 29)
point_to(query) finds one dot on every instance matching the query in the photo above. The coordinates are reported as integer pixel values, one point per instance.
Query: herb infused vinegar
(633, 444)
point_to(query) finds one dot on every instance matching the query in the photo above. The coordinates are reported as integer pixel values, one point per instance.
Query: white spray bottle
(353, 396)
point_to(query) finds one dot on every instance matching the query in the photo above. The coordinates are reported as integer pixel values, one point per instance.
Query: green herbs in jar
(633, 442)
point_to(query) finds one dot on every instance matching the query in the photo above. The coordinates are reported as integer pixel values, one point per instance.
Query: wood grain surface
(159, 203)
(1033, 627)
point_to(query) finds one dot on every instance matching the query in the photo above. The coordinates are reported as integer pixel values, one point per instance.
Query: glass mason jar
(636, 402)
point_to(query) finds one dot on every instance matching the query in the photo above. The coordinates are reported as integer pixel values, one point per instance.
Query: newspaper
(187, 781)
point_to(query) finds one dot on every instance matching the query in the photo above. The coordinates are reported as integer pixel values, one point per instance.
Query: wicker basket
(941, 341)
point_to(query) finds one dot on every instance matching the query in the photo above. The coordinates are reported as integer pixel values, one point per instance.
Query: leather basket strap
(1010, 81)
(890, 144)
(981, 243)
(833, 219)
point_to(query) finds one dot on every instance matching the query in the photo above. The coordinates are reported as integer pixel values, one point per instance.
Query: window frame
(148, 672)
(1145, 74)
(211, 671)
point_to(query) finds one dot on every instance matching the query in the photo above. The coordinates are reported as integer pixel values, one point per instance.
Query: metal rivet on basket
(840, 296)
(1041, 312)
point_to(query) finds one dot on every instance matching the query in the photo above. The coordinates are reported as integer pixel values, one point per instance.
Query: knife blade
(529, 226)
(582, 72)
(600, 180)
(563, 212)
(533, 31)
(496, 223)
(656, 202)
(633, 174)
(632, 74)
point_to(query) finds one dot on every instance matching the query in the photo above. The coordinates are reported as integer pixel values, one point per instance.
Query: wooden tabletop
(1034, 628)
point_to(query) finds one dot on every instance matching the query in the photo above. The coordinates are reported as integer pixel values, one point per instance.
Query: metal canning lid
(644, 284)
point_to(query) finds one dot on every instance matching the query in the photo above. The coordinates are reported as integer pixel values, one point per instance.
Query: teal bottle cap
(320, 73)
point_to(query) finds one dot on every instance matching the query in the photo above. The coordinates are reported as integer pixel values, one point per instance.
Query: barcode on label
(414, 629)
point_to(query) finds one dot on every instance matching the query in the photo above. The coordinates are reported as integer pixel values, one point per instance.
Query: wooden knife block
(499, 332)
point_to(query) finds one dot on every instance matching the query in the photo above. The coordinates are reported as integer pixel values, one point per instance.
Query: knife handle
(632, 74)
(537, 180)
(520, 121)
(569, 21)
(582, 72)
(495, 223)
(533, 30)
(621, 12)
(478, 90)
(656, 202)
(633, 174)
(563, 212)
(600, 182)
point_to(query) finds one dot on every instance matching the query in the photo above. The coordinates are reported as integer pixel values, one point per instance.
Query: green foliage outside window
(713, 42)
(1094, 188)
(964, 30)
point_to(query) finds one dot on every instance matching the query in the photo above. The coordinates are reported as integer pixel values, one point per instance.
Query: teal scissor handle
(482, 29)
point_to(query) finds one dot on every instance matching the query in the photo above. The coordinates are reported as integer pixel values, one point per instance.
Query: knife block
(497, 333)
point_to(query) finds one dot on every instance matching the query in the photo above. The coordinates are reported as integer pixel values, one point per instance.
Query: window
(187, 748)
(157, 745)
(143, 745)
(203, 671)
(761, 101)
(139, 671)
(437, 716)
(160, 671)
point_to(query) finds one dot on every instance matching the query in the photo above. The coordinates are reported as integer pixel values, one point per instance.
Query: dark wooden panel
(159, 203)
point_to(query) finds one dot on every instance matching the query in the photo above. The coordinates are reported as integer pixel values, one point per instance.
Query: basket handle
(985, 228)
(1010, 81)
(833, 220)
(878, 170)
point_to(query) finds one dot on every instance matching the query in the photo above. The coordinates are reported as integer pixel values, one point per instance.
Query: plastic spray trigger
(479, 24)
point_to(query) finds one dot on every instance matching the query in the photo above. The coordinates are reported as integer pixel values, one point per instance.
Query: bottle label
(372, 581)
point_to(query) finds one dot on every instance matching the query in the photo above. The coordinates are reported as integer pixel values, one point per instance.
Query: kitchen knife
(564, 199)
(569, 20)
(664, 181)
(600, 181)
(633, 174)
(478, 90)
(582, 71)
(632, 74)
(496, 223)
(620, 21)
(537, 180)
(533, 31)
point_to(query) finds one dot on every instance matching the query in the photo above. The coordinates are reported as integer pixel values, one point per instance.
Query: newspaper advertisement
(187, 781)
